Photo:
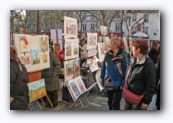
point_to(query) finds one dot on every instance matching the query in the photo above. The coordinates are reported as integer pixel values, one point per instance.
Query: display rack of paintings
(70, 27)
(91, 41)
(104, 30)
(80, 84)
(92, 63)
(71, 48)
(101, 51)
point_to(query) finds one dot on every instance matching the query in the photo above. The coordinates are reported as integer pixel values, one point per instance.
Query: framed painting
(44, 44)
(74, 89)
(104, 30)
(75, 48)
(25, 59)
(80, 84)
(37, 90)
(35, 55)
(92, 63)
(68, 49)
(45, 58)
(92, 52)
(91, 40)
(70, 27)
(68, 70)
(24, 44)
(106, 40)
(76, 67)
(101, 51)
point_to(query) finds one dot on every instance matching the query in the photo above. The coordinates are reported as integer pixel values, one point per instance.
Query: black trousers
(114, 98)
(53, 95)
(129, 106)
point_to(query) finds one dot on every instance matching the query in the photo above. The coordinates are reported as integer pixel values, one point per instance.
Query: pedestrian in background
(18, 83)
(113, 69)
(142, 75)
(52, 79)
(60, 55)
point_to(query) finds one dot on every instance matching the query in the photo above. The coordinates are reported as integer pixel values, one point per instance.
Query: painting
(45, 58)
(74, 89)
(80, 84)
(44, 44)
(106, 40)
(76, 67)
(92, 52)
(68, 49)
(25, 59)
(37, 90)
(35, 55)
(101, 51)
(104, 30)
(68, 70)
(76, 48)
(92, 63)
(70, 27)
(91, 40)
(24, 44)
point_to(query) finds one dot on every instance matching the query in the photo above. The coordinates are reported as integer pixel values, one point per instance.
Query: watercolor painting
(25, 59)
(24, 44)
(44, 44)
(101, 51)
(80, 84)
(76, 66)
(45, 58)
(68, 49)
(92, 63)
(35, 55)
(70, 27)
(91, 40)
(37, 90)
(76, 48)
(68, 70)
(104, 30)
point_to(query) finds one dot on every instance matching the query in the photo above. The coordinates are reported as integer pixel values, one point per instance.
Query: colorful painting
(44, 44)
(92, 63)
(101, 51)
(91, 40)
(35, 55)
(68, 70)
(80, 84)
(92, 52)
(70, 27)
(24, 44)
(106, 40)
(76, 66)
(25, 59)
(76, 48)
(104, 30)
(37, 90)
(68, 49)
(45, 58)
(74, 89)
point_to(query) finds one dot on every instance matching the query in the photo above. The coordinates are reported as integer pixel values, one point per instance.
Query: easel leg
(87, 99)
(49, 101)
(38, 104)
(42, 101)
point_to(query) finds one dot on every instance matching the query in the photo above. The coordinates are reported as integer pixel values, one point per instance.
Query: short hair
(115, 40)
(142, 44)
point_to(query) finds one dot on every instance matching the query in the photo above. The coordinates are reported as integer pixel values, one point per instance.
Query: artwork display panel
(37, 90)
(91, 41)
(70, 27)
(104, 30)
(35, 59)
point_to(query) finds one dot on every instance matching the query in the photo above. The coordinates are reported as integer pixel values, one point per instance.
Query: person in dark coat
(142, 75)
(21, 100)
(114, 68)
(52, 79)
(154, 52)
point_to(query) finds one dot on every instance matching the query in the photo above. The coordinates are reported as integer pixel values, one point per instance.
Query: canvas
(25, 59)
(104, 30)
(68, 70)
(35, 55)
(45, 58)
(91, 40)
(92, 63)
(76, 67)
(37, 90)
(101, 51)
(24, 44)
(80, 84)
(44, 44)
(70, 27)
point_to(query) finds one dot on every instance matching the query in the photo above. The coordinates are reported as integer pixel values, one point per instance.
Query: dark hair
(142, 44)
(13, 54)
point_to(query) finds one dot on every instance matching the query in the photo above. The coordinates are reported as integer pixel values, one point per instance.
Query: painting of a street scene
(76, 66)
(68, 49)
(74, 88)
(35, 54)
(70, 27)
(76, 47)
(24, 44)
(91, 40)
(80, 84)
(37, 90)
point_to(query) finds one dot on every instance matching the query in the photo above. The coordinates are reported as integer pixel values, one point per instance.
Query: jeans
(114, 98)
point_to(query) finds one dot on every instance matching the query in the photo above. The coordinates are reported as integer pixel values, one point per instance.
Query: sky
(164, 115)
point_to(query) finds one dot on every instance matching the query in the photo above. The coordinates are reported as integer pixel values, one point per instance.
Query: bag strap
(127, 75)
(15, 89)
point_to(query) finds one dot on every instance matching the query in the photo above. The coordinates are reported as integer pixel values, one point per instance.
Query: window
(84, 27)
(92, 27)
(134, 17)
(117, 26)
(146, 18)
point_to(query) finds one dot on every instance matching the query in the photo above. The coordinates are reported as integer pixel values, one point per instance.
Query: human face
(113, 45)
(135, 51)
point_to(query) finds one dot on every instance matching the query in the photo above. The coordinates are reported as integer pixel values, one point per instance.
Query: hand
(144, 106)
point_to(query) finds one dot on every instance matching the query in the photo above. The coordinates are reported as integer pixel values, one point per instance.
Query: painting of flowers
(24, 44)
